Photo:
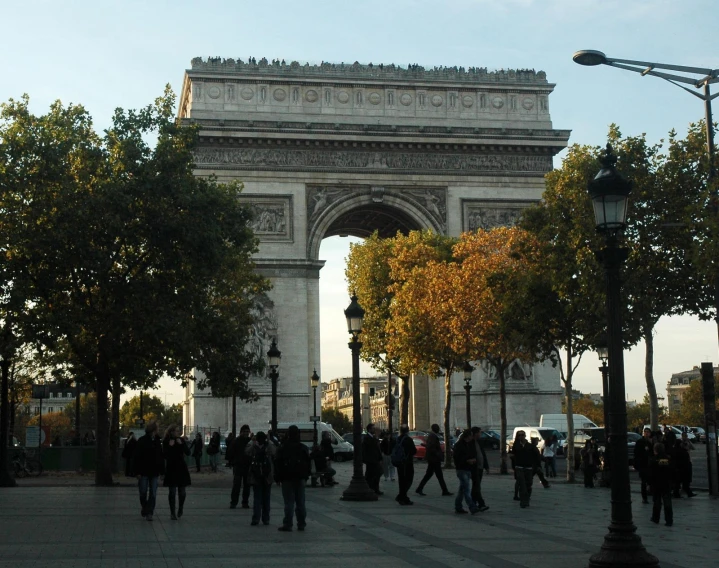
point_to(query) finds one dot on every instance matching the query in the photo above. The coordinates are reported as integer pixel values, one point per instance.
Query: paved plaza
(63, 522)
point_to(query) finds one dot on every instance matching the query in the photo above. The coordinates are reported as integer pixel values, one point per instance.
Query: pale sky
(121, 54)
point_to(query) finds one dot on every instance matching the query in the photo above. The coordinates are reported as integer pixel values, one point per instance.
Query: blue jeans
(293, 494)
(261, 502)
(465, 490)
(145, 483)
(213, 461)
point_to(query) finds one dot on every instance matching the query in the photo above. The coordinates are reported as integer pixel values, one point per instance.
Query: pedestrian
(213, 450)
(262, 454)
(480, 466)
(177, 476)
(372, 458)
(328, 453)
(549, 453)
(523, 463)
(240, 469)
(465, 459)
(291, 471)
(661, 477)
(682, 463)
(403, 459)
(643, 451)
(148, 464)
(433, 455)
(386, 444)
(128, 452)
(590, 463)
(196, 448)
(228, 451)
(538, 463)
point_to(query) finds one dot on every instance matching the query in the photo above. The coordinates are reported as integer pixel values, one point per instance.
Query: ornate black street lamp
(78, 438)
(609, 192)
(468, 387)
(315, 381)
(358, 489)
(273, 359)
(603, 353)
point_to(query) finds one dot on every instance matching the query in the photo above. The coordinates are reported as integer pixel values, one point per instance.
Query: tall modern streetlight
(699, 78)
(358, 489)
(315, 382)
(468, 387)
(609, 192)
(273, 359)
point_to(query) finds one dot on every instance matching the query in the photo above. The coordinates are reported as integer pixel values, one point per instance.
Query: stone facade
(679, 383)
(336, 149)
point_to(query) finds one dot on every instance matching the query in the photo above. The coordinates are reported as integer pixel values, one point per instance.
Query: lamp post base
(623, 549)
(358, 490)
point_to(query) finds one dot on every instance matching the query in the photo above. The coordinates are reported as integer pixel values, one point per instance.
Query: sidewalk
(63, 526)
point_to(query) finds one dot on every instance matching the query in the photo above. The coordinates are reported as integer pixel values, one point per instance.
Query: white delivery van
(344, 451)
(559, 422)
(542, 434)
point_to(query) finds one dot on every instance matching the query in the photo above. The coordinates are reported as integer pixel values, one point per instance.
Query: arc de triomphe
(337, 149)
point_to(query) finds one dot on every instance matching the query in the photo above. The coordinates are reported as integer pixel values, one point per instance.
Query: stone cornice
(357, 72)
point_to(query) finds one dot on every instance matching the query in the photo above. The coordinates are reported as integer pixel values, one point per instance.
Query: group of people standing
(665, 469)
(526, 462)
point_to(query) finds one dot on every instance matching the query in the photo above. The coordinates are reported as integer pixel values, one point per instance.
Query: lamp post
(703, 79)
(609, 192)
(315, 381)
(468, 387)
(273, 358)
(78, 438)
(603, 353)
(358, 490)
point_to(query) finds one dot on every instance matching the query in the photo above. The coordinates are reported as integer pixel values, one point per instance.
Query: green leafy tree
(153, 410)
(126, 262)
(340, 423)
(590, 409)
(88, 413)
(692, 408)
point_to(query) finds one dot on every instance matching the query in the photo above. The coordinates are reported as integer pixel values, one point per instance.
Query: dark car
(487, 440)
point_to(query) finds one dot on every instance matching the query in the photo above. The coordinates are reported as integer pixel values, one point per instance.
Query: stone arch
(359, 214)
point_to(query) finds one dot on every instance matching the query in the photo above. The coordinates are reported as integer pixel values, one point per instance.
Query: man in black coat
(524, 460)
(148, 464)
(643, 451)
(433, 455)
(292, 468)
(372, 458)
(240, 469)
(405, 470)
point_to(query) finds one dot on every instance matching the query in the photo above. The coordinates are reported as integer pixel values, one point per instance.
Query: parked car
(487, 440)
(420, 442)
(699, 432)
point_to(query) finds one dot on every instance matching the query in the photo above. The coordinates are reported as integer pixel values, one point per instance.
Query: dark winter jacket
(433, 449)
(196, 447)
(176, 472)
(238, 458)
(661, 475)
(326, 449)
(371, 453)
(148, 460)
(643, 451)
(523, 455)
(409, 450)
(292, 462)
(463, 452)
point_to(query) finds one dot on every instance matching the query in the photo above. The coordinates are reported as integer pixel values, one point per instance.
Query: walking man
(262, 456)
(465, 459)
(148, 465)
(433, 456)
(372, 458)
(405, 466)
(643, 451)
(240, 469)
(523, 462)
(292, 470)
(480, 466)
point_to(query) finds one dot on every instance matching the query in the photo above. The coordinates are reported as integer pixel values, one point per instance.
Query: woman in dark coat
(196, 447)
(177, 476)
(128, 453)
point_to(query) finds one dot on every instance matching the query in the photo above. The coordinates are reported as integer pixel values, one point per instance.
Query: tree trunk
(115, 424)
(569, 403)
(649, 377)
(447, 409)
(404, 410)
(499, 366)
(103, 471)
(5, 479)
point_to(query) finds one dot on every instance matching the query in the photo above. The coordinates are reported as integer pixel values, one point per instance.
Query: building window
(37, 410)
(50, 409)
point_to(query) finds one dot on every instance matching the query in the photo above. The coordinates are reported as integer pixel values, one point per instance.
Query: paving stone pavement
(46, 524)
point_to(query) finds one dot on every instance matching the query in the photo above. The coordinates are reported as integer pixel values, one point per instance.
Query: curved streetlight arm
(709, 73)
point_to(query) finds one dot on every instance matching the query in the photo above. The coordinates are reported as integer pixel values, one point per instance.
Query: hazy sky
(121, 54)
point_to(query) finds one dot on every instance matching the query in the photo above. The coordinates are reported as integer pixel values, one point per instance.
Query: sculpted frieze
(271, 217)
(385, 160)
(489, 214)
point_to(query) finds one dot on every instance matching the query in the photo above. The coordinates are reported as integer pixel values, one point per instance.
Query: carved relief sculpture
(489, 214)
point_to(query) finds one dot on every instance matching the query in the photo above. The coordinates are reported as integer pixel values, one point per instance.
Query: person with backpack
(196, 447)
(261, 453)
(372, 458)
(213, 450)
(240, 469)
(402, 459)
(433, 456)
(292, 468)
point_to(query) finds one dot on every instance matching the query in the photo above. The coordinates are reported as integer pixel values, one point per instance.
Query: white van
(343, 449)
(543, 434)
(559, 422)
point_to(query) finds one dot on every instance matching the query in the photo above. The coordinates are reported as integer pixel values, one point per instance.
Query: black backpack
(261, 467)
